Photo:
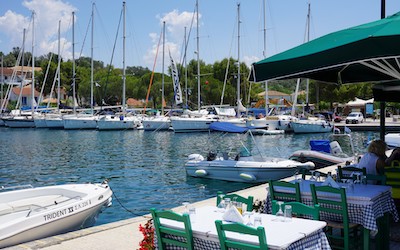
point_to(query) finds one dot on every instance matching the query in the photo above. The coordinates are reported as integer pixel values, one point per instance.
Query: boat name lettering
(54, 215)
(83, 204)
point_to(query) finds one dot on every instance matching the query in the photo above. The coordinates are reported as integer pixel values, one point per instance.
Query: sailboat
(84, 120)
(122, 121)
(160, 121)
(20, 118)
(200, 120)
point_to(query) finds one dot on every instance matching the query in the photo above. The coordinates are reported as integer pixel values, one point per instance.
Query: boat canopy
(320, 145)
(227, 127)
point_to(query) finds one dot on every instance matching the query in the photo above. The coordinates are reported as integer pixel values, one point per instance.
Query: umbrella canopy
(365, 53)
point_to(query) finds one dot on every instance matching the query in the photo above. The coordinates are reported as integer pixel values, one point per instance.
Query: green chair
(334, 206)
(378, 179)
(172, 236)
(307, 172)
(392, 174)
(235, 197)
(345, 173)
(299, 209)
(284, 191)
(242, 229)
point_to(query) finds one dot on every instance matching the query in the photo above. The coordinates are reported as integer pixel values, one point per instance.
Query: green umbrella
(365, 53)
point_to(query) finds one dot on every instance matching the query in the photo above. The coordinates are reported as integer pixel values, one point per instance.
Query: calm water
(145, 169)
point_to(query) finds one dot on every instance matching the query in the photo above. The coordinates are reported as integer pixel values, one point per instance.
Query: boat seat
(40, 201)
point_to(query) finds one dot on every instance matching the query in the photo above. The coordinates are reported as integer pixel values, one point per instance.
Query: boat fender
(247, 177)
(323, 125)
(200, 172)
(279, 123)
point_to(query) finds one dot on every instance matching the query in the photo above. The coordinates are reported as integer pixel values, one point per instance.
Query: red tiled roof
(26, 91)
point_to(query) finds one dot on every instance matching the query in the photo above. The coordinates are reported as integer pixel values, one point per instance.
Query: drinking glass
(312, 178)
(221, 205)
(247, 216)
(192, 213)
(186, 204)
(228, 203)
(288, 213)
(257, 220)
(279, 215)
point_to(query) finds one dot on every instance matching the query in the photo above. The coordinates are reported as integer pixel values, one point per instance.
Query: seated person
(374, 159)
(395, 156)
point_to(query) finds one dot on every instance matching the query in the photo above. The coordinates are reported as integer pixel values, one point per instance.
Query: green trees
(108, 81)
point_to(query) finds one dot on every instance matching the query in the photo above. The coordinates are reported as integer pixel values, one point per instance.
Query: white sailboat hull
(188, 124)
(114, 122)
(156, 123)
(40, 122)
(35, 213)
(19, 122)
(80, 122)
(55, 122)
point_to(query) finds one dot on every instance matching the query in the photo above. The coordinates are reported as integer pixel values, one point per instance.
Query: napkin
(232, 215)
(329, 181)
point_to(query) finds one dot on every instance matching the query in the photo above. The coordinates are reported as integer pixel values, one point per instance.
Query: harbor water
(144, 169)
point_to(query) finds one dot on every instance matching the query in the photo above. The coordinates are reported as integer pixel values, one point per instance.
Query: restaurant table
(289, 234)
(366, 204)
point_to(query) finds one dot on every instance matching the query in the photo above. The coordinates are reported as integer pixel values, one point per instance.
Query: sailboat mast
(186, 89)
(123, 66)
(198, 56)
(91, 64)
(162, 76)
(33, 65)
(73, 63)
(58, 66)
(238, 72)
(2, 81)
(265, 55)
(22, 71)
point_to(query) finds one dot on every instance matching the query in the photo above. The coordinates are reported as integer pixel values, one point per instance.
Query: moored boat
(252, 169)
(32, 213)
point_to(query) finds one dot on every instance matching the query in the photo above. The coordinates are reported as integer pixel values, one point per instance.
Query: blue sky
(286, 25)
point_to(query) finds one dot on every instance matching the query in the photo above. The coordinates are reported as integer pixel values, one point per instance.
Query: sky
(218, 27)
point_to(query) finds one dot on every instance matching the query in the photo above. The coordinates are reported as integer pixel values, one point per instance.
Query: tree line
(108, 81)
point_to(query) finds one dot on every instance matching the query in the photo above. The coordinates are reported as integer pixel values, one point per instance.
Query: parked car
(355, 117)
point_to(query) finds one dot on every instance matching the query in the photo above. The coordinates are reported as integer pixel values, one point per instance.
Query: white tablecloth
(295, 234)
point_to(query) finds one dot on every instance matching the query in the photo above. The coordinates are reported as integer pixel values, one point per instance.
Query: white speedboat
(252, 169)
(325, 153)
(32, 213)
(392, 140)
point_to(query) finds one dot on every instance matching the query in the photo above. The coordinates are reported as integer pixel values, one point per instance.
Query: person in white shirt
(374, 159)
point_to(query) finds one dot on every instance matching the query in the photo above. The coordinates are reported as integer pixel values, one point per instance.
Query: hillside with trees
(109, 83)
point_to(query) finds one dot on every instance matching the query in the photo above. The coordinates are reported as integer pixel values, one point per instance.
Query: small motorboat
(242, 168)
(29, 213)
(325, 153)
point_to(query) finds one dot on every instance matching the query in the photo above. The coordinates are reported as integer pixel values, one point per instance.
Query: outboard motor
(211, 156)
(335, 148)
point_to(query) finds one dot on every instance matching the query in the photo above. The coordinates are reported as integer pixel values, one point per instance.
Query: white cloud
(248, 60)
(47, 15)
(175, 23)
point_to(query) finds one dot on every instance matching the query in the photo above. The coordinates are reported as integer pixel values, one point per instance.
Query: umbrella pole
(382, 121)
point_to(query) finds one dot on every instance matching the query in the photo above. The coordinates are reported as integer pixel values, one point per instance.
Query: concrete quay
(392, 124)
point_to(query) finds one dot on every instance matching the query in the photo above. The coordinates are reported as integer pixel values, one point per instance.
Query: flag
(175, 78)
(347, 130)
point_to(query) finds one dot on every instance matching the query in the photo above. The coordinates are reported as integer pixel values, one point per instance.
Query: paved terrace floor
(125, 234)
